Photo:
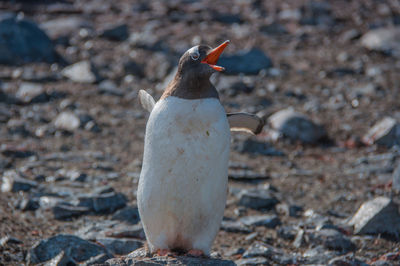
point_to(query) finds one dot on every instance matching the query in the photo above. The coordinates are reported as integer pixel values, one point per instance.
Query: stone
(385, 132)
(122, 231)
(129, 214)
(97, 260)
(120, 246)
(78, 249)
(296, 126)
(13, 182)
(64, 211)
(248, 62)
(347, 260)
(16, 152)
(81, 72)
(28, 204)
(377, 216)
(103, 203)
(257, 147)
(31, 93)
(246, 175)
(139, 257)
(270, 221)
(22, 41)
(287, 232)
(257, 199)
(108, 87)
(67, 121)
(386, 40)
(64, 27)
(235, 227)
(252, 261)
(317, 13)
(7, 240)
(116, 33)
(334, 240)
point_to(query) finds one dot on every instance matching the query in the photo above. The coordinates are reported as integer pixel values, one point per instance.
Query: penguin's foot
(196, 253)
(163, 252)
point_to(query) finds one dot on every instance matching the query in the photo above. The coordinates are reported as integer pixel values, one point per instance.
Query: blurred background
(324, 75)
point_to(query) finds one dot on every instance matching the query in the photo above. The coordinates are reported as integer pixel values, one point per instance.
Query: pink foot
(163, 252)
(196, 253)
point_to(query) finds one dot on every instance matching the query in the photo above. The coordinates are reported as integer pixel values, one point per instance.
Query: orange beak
(212, 57)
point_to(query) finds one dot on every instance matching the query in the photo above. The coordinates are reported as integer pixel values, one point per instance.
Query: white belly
(183, 184)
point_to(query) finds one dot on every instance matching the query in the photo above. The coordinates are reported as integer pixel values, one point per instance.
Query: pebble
(13, 182)
(252, 261)
(269, 221)
(257, 147)
(248, 62)
(377, 216)
(81, 72)
(64, 211)
(103, 203)
(120, 246)
(67, 121)
(257, 199)
(296, 126)
(71, 245)
(235, 227)
(60, 260)
(116, 33)
(385, 132)
(129, 214)
(334, 240)
(31, 93)
(385, 40)
(64, 27)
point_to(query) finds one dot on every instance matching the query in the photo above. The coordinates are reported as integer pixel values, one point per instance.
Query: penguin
(183, 183)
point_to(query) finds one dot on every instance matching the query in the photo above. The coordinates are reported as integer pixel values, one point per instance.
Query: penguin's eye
(195, 56)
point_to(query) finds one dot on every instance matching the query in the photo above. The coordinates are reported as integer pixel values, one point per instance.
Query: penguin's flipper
(245, 122)
(146, 100)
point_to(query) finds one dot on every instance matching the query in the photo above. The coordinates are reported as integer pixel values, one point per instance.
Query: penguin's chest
(185, 160)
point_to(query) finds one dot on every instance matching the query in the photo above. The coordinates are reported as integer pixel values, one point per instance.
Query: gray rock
(259, 249)
(317, 13)
(13, 182)
(67, 121)
(78, 249)
(140, 257)
(108, 87)
(252, 261)
(235, 227)
(270, 221)
(103, 203)
(385, 40)
(7, 240)
(334, 240)
(377, 216)
(81, 72)
(257, 199)
(64, 26)
(21, 41)
(116, 33)
(120, 246)
(257, 147)
(97, 260)
(132, 231)
(28, 204)
(247, 175)
(296, 126)
(248, 62)
(64, 211)
(386, 132)
(347, 260)
(129, 214)
(31, 93)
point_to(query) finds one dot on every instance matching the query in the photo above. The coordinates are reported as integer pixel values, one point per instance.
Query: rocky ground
(323, 74)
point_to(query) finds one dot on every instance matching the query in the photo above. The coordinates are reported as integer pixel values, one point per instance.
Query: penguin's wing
(146, 100)
(245, 122)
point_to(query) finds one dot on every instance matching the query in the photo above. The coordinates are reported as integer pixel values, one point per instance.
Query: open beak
(212, 57)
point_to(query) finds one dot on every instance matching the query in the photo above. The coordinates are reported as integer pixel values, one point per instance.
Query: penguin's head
(200, 61)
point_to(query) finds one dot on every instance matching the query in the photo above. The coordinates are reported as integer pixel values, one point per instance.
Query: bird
(183, 183)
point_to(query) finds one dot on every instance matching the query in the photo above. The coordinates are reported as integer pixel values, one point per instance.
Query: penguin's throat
(190, 88)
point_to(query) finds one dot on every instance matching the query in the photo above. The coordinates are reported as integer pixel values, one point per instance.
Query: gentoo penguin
(183, 182)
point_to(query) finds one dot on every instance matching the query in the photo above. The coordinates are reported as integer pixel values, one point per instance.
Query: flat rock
(64, 211)
(103, 203)
(334, 240)
(81, 72)
(248, 62)
(257, 147)
(257, 199)
(22, 41)
(139, 257)
(64, 26)
(60, 259)
(129, 214)
(13, 182)
(67, 121)
(377, 216)
(385, 132)
(385, 40)
(78, 249)
(296, 126)
(252, 261)
(116, 33)
(270, 221)
(235, 227)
